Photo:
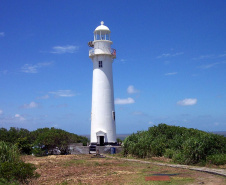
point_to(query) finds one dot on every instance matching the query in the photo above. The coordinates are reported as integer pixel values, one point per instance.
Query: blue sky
(170, 66)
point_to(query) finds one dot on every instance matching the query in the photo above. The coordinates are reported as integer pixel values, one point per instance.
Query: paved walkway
(221, 172)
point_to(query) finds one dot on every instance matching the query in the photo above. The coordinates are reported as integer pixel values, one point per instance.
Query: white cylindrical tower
(103, 129)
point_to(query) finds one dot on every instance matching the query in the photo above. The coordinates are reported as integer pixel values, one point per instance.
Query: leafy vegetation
(184, 146)
(12, 169)
(40, 140)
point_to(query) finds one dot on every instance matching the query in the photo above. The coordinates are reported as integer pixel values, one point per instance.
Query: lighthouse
(103, 128)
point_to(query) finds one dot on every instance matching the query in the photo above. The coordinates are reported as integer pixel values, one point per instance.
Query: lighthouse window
(100, 64)
(113, 114)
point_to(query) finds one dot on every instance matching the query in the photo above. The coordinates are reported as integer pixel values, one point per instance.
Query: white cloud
(43, 97)
(209, 56)
(222, 55)
(29, 68)
(18, 116)
(64, 49)
(169, 74)
(165, 55)
(2, 34)
(1, 111)
(30, 105)
(203, 57)
(207, 66)
(63, 93)
(132, 90)
(123, 60)
(187, 101)
(124, 101)
(216, 123)
(151, 123)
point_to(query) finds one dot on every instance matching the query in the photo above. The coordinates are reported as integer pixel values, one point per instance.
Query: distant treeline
(182, 145)
(42, 138)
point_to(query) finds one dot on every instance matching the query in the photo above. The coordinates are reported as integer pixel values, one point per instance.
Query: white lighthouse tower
(103, 129)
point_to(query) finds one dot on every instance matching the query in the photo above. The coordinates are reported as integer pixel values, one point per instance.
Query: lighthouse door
(101, 140)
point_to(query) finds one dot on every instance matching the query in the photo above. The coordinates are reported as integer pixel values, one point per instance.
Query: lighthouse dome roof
(102, 27)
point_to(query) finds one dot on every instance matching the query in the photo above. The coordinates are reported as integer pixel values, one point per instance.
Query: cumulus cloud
(166, 55)
(2, 34)
(29, 68)
(30, 105)
(187, 101)
(170, 74)
(1, 111)
(18, 116)
(63, 93)
(64, 49)
(131, 90)
(124, 101)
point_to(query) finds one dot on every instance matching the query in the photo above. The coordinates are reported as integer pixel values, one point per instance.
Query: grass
(83, 169)
(73, 162)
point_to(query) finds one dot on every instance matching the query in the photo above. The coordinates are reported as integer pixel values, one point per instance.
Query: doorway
(101, 140)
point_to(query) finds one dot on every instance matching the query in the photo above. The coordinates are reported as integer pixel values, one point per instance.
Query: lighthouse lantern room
(103, 128)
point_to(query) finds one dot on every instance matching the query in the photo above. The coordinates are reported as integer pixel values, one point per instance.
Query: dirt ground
(84, 169)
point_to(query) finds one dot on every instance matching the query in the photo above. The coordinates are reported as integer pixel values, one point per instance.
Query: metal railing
(105, 51)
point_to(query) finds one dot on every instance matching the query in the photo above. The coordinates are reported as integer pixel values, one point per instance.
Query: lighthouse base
(104, 149)
(105, 144)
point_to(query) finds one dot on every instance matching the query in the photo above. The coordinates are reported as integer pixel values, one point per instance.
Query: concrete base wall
(107, 149)
(79, 150)
(85, 149)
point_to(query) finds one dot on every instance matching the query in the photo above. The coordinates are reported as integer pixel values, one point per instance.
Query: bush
(17, 171)
(185, 146)
(169, 153)
(217, 159)
(38, 152)
(179, 157)
(8, 152)
(12, 169)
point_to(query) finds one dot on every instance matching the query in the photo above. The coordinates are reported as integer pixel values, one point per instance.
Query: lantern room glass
(101, 35)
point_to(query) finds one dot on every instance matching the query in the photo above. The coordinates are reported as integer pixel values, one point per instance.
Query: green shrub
(217, 159)
(8, 152)
(179, 157)
(169, 153)
(24, 146)
(5, 182)
(38, 152)
(17, 171)
(185, 146)
(158, 146)
(12, 169)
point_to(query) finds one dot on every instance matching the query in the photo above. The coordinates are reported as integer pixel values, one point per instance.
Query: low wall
(85, 149)
(107, 149)
(79, 149)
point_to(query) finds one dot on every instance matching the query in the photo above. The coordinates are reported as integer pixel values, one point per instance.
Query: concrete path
(221, 172)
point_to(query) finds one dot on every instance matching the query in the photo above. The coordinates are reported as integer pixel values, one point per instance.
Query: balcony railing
(95, 51)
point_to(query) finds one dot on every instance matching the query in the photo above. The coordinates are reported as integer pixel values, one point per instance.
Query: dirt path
(215, 171)
(83, 169)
